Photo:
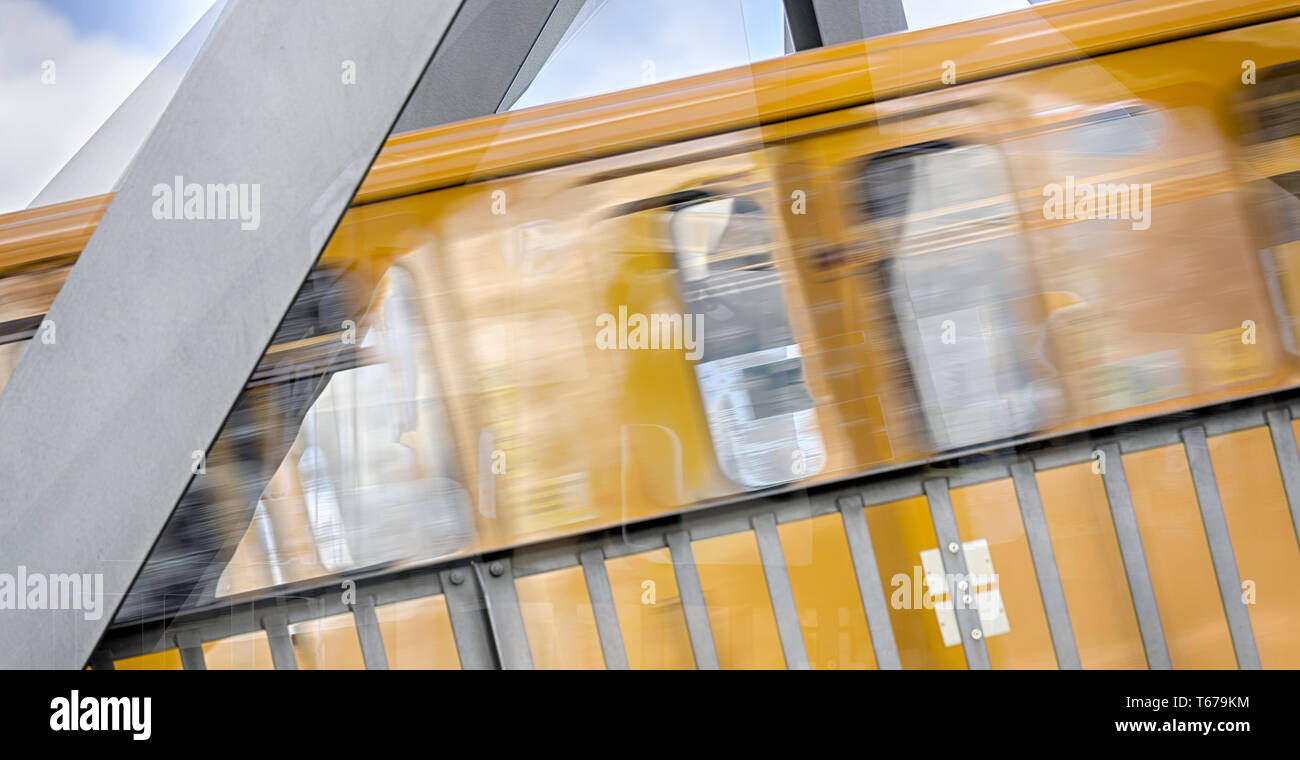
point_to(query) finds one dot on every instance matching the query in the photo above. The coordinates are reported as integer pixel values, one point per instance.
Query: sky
(66, 65)
(97, 51)
(618, 44)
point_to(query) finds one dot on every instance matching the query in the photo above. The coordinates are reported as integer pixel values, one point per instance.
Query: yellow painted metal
(1178, 558)
(1263, 540)
(740, 608)
(417, 634)
(328, 643)
(826, 594)
(989, 511)
(1092, 572)
(900, 531)
(245, 651)
(558, 617)
(168, 659)
(650, 611)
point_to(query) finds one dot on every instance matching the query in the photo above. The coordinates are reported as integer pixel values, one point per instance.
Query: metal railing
(488, 626)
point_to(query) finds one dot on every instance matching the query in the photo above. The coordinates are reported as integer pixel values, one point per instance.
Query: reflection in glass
(751, 378)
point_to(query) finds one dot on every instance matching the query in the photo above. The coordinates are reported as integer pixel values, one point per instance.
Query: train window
(376, 467)
(370, 477)
(1272, 137)
(959, 279)
(750, 371)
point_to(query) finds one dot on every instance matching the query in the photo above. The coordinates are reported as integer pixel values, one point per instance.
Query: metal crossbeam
(506, 619)
(693, 607)
(781, 593)
(469, 619)
(276, 626)
(869, 586)
(1221, 554)
(1288, 461)
(954, 564)
(602, 605)
(1045, 567)
(1135, 560)
(369, 635)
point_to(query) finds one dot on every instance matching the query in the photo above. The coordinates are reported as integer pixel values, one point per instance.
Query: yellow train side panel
(559, 620)
(328, 643)
(1092, 572)
(168, 659)
(246, 651)
(990, 511)
(826, 594)
(740, 610)
(1178, 558)
(1263, 539)
(900, 531)
(650, 611)
(417, 635)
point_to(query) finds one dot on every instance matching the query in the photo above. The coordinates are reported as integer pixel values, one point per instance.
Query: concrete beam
(814, 23)
(493, 50)
(162, 320)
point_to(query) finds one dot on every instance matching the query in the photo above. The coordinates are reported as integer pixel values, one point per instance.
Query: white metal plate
(982, 590)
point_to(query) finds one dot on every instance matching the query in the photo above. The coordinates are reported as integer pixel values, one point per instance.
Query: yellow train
(808, 271)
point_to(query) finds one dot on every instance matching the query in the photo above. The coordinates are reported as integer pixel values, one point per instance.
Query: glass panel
(960, 282)
(990, 512)
(751, 376)
(368, 478)
(900, 532)
(1271, 112)
(371, 466)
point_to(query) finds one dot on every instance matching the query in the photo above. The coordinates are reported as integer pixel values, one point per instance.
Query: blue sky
(608, 49)
(103, 49)
(151, 26)
(100, 51)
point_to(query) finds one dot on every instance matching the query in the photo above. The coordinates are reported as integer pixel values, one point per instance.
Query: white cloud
(624, 40)
(924, 14)
(43, 125)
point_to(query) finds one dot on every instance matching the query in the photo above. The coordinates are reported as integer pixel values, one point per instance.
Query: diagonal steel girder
(162, 320)
(464, 83)
(814, 23)
(487, 59)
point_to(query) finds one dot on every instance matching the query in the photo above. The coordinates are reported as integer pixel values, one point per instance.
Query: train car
(1050, 236)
